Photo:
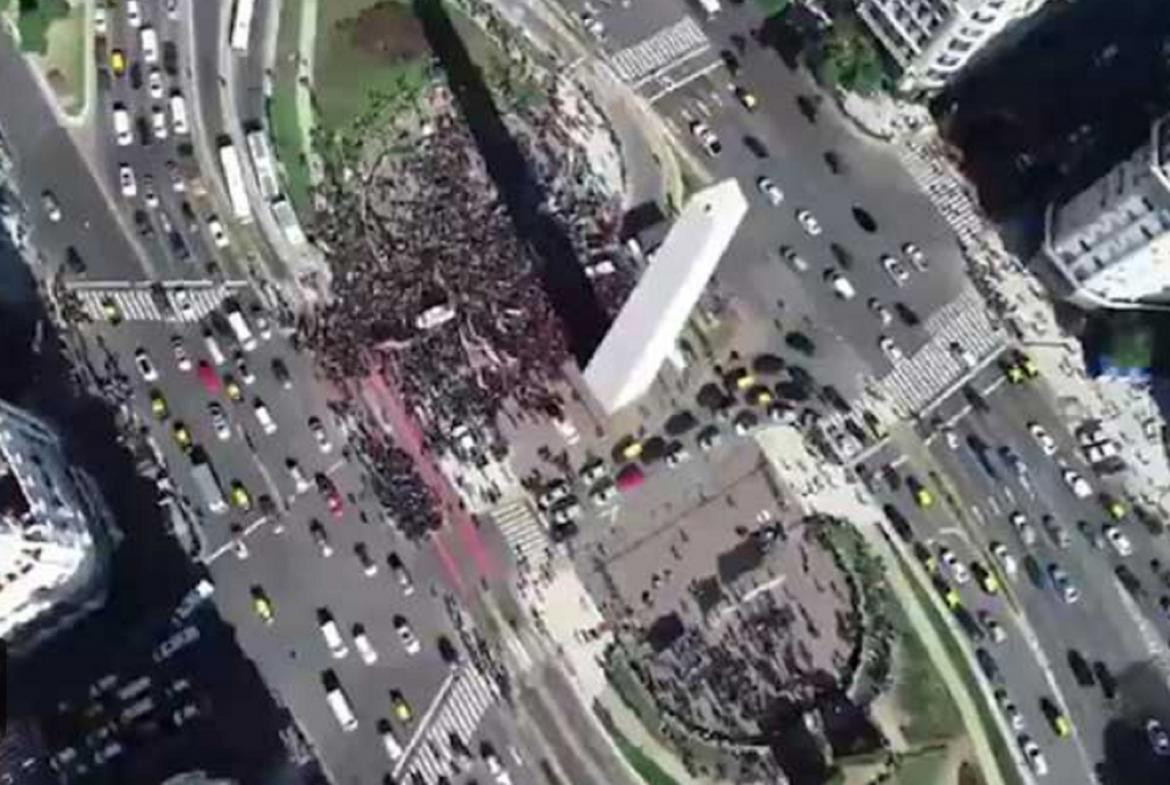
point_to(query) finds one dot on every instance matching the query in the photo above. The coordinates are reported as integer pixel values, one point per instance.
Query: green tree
(849, 60)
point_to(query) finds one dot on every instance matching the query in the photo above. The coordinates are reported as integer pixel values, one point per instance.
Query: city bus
(233, 175)
(242, 24)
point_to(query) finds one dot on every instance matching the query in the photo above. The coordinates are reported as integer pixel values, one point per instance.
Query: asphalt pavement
(1105, 624)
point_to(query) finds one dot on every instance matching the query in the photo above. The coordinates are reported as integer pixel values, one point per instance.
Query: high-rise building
(647, 328)
(1111, 241)
(52, 521)
(933, 39)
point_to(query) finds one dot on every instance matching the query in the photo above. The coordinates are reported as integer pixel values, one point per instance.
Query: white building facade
(933, 39)
(1111, 241)
(50, 565)
(647, 328)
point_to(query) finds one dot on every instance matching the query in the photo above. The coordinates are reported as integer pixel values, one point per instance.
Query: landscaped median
(55, 34)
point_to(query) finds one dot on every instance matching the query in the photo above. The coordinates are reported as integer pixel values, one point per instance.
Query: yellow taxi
(118, 62)
(1060, 725)
(746, 97)
(1027, 365)
(741, 378)
(922, 496)
(929, 562)
(158, 405)
(760, 396)
(1013, 373)
(1114, 507)
(631, 448)
(182, 436)
(232, 388)
(111, 311)
(402, 709)
(986, 577)
(240, 496)
(951, 598)
(263, 607)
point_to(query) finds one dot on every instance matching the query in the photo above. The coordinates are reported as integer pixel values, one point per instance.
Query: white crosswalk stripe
(463, 708)
(918, 379)
(140, 304)
(521, 529)
(679, 41)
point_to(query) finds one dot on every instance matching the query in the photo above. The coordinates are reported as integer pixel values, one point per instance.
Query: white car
(219, 421)
(707, 138)
(51, 205)
(951, 437)
(1077, 484)
(1034, 756)
(841, 285)
(218, 235)
(320, 538)
(491, 760)
(401, 574)
(318, 430)
(127, 181)
(1025, 530)
(889, 348)
(880, 311)
(149, 197)
(123, 129)
(770, 190)
(789, 254)
(808, 221)
(409, 641)
(1011, 711)
(246, 375)
(331, 634)
(154, 83)
(158, 121)
(133, 13)
(145, 366)
(173, 10)
(365, 649)
(101, 19)
(300, 481)
(182, 359)
(956, 568)
(186, 307)
(895, 270)
(916, 256)
(1118, 540)
(1005, 558)
(1043, 438)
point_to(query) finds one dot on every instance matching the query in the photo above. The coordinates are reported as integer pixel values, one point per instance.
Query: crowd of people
(425, 235)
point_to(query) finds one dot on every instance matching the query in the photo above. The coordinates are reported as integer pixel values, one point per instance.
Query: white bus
(261, 152)
(242, 24)
(341, 708)
(234, 176)
(240, 329)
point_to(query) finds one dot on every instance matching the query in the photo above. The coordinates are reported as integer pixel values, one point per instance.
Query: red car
(208, 376)
(332, 498)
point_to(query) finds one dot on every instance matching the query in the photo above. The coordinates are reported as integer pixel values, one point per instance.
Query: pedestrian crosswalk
(448, 739)
(147, 303)
(670, 45)
(521, 529)
(920, 378)
(945, 191)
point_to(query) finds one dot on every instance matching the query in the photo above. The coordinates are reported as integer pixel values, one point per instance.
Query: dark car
(755, 146)
(892, 478)
(280, 372)
(975, 398)
(834, 162)
(179, 246)
(1035, 572)
(170, 58)
(136, 76)
(1080, 668)
(842, 255)
(447, 651)
(988, 665)
(73, 261)
(1130, 581)
(143, 127)
(898, 521)
(831, 396)
(142, 221)
(907, 314)
(799, 342)
(1106, 679)
(730, 61)
(970, 626)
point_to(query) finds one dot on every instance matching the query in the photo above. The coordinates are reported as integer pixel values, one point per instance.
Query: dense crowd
(432, 237)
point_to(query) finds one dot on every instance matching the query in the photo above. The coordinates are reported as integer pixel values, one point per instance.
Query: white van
(149, 40)
(179, 113)
(331, 634)
(213, 349)
(341, 708)
(122, 130)
(263, 417)
(841, 285)
(390, 741)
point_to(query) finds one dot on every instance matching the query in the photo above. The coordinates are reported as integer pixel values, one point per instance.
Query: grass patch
(64, 62)
(288, 140)
(368, 54)
(772, 7)
(647, 768)
(999, 749)
(926, 768)
(35, 18)
(923, 699)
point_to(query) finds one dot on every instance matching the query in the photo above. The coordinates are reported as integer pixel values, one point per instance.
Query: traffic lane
(1059, 626)
(1021, 674)
(873, 176)
(758, 241)
(47, 158)
(290, 656)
